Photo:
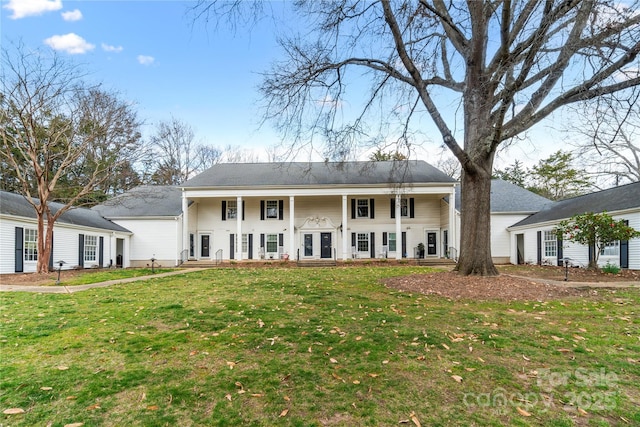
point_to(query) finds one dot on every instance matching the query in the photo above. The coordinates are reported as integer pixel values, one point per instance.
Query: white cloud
(110, 48)
(70, 43)
(72, 15)
(24, 8)
(145, 59)
(626, 74)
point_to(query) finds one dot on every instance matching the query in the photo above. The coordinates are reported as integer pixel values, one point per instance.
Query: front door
(431, 243)
(325, 245)
(205, 246)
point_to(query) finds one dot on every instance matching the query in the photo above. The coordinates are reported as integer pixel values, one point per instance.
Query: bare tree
(177, 155)
(610, 143)
(62, 138)
(508, 63)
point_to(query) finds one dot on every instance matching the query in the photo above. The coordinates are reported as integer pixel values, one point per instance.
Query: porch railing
(218, 258)
(184, 255)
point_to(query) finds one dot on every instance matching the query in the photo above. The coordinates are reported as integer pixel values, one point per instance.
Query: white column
(399, 226)
(292, 228)
(345, 230)
(238, 246)
(453, 232)
(185, 224)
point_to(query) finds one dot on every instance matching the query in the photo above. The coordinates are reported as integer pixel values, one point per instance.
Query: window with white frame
(362, 208)
(272, 209)
(550, 244)
(90, 248)
(272, 243)
(245, 243)
(232, 209)
(392, 242)
(611, 249)
(404, 207)
(363, 242)
(30, 244)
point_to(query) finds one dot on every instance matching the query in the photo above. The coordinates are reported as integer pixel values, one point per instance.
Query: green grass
(305, 347)
(104, 275)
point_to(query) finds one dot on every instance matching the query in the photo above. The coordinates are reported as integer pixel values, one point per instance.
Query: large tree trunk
(475, 234)
(43, 254)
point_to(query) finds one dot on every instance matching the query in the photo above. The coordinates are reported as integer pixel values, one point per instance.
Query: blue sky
(154, 55)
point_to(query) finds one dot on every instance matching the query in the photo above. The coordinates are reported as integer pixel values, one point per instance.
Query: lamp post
(566, 268)
(153, 260)
(60, 264)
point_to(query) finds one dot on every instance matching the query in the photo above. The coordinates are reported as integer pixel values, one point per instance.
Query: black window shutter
(404, 244)
(232, 252)
(624, 251)
(393, 208)
(353, 208)
(224, 210)
(539, 240)
(280, 239)
(51, 254)
(81, 250)
(19, 267)
(280, 210)
(372, 244)
(371, 209)
(261, 210)
(262, 241)
(243, 210)
(101, 255)
(412, 208)
(353, 239)
(250, 244)
(384, 239)
(559, 251)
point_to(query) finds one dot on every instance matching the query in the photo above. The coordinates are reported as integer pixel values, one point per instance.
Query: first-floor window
(392, 242)
(611, 249)
(90, 248)
(245, 243)
(30, 245)
(550, 244)
(363, 242)
(272, 243)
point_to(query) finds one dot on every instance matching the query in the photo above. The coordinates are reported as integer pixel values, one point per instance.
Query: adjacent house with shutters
(82, 238)
(534, 241)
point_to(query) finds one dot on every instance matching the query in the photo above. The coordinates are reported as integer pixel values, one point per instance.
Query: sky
(155, 56)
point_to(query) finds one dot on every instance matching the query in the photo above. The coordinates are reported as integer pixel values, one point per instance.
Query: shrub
(610, 268)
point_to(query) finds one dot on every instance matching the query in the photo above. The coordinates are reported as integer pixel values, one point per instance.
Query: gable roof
(144, 201)
(507, 197)
(318, 173)
(610, 200)
(17, 205)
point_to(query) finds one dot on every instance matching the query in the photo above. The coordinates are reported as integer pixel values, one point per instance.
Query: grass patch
(309, 347)
(104, 275)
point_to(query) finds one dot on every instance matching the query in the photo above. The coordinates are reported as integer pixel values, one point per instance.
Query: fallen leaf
(523, 412)
(287, 398)
(374, 375)
(564, 350)
(555, 338)
(231, 364)
(257, 395)
(93, 407)
(332, 360)
(228, 397)
(525, 358)
(71, 397)
(13, 411)
(445, 346)
(414, 419)
(582, 411)
(260, 323)
(62, 368)
(356, 382)
(358, 338)
(74, 425)
(46, 388)
(458, 378)
(284, 413)
(152, 408)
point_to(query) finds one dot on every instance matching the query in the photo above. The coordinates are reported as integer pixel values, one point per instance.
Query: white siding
(500, 237)
(157, 238)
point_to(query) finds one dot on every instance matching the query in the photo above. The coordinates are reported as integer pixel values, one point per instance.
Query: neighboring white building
(533, 240)
(81, 238)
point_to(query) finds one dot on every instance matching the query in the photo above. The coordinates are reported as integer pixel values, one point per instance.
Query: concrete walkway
(62, 289)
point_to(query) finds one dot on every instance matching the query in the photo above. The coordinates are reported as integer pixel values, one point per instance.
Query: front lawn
(301, 347)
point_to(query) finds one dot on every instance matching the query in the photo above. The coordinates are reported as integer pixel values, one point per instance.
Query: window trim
(88, 246)
(550, 244)
(232, 209)
(274, 208)
(268, 241)
(389, 240)
(613, 248)
(362, 240)
(30, 247)
(360, 205)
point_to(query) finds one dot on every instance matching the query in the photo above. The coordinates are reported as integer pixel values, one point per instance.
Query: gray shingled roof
(318, 173)
(507, 197)
(144, 201)
(610, 200)
(16, 205)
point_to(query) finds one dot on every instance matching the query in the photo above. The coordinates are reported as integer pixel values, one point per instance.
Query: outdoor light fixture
(566, 268)
(60, 264)
(153, 260)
